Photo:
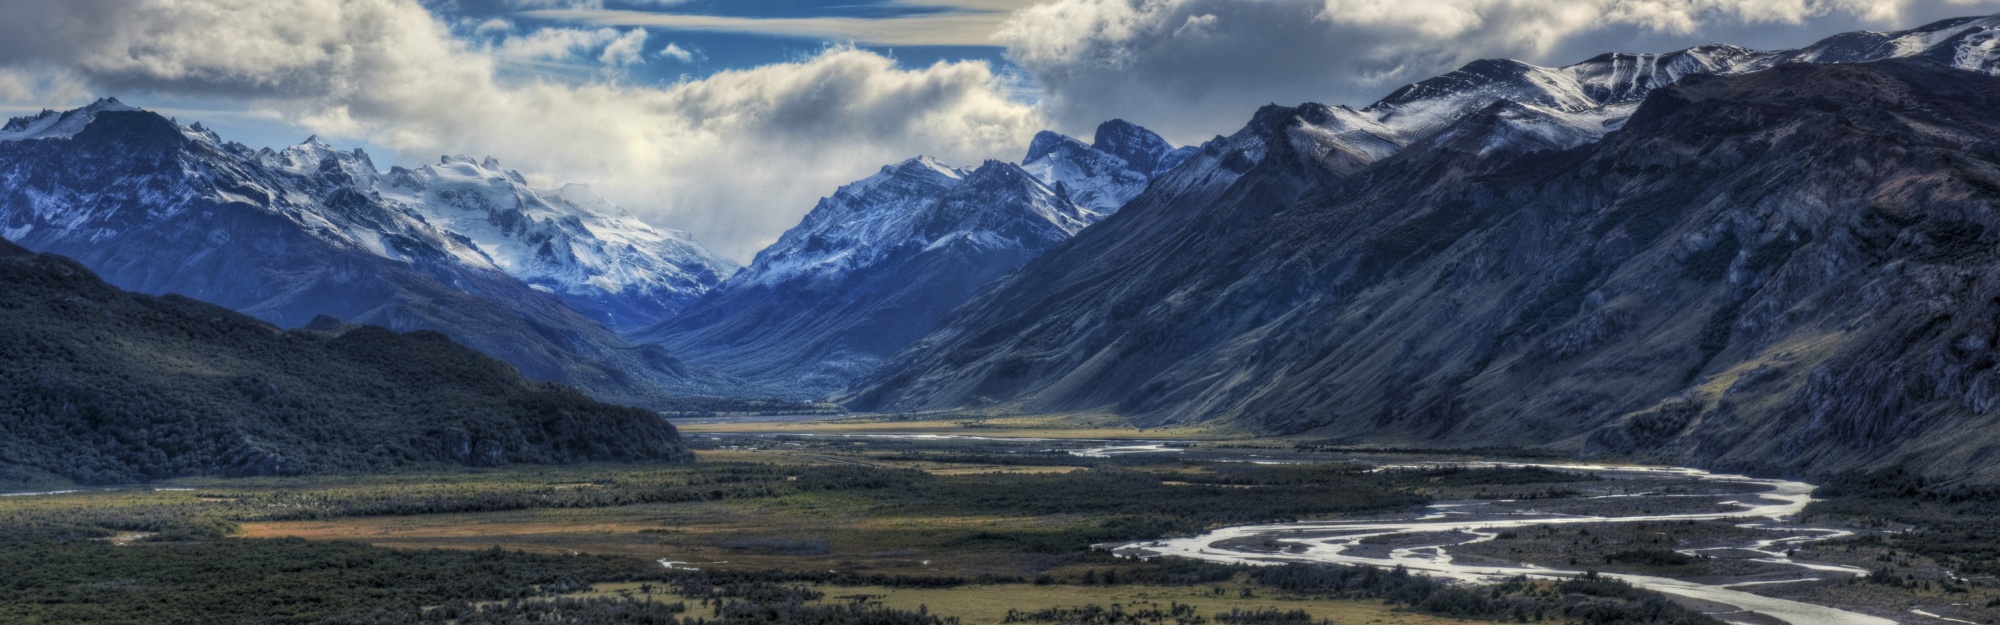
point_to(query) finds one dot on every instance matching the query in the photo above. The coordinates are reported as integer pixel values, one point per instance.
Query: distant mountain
(870, 269)
(1598, 94)
(568, 241)
(1059, 321)
(1104, 175)
(290, 235)
(1717, 256)
(104, 386)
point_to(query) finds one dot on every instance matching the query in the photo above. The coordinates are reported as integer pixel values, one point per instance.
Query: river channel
(1435, 534)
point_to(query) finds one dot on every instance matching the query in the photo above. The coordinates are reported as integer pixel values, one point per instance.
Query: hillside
(104, 386)
(1787, 271)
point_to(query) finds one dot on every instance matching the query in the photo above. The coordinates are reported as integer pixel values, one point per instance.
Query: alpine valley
(1654, 256)
(1690, 338)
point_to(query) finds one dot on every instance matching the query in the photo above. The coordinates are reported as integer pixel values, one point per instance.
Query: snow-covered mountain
(869, 269)
(1618, 256)
(1639, 295)
(855, 227)
(51, 124)
(1108, 172)
(567, 241)
(157, 207)
(1597, 95)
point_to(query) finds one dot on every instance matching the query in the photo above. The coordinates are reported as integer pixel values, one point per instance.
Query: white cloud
(676, 52)
(736, 157)
(493, 25)
(927, 29)
(583, 4)
(606, 47)
(1192, 68)
(935, 23)
(29, 88)
(625, 50)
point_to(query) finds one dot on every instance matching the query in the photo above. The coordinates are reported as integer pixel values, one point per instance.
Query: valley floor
(963, 517)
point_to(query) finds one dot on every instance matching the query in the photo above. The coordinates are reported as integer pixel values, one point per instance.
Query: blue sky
(731, 118)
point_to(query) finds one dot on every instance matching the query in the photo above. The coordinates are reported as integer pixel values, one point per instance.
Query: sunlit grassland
(1057, 426)
(987, 604)
(803, 531)
(889, 509)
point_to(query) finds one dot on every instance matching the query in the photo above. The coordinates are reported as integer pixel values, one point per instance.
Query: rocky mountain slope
(870, 269)
(287, 236)
(1108, 172)
(105, 386)
(1783, 268)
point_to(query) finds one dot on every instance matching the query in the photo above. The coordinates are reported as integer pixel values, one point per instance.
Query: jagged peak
(922, 165)
(1270, 118)
(17, 124)
(1506, 126)
(1142, 149)
(1001, 196)
(488, 168)
(1048, 142)
(997, 169)
(1708, 49)
(1273, 118)
(50, 124)
(1335, 116)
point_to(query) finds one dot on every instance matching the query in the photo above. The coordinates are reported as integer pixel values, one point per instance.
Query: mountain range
(1716, 256)
(1768, 260)
(876, 265)
(536, 278)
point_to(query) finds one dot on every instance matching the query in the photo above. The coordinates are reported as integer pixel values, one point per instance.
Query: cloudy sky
(729, 118)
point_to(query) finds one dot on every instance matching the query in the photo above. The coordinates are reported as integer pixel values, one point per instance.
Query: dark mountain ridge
(104, 386)
(1787, 271)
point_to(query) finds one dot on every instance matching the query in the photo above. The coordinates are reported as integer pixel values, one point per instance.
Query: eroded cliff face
(1789, 271)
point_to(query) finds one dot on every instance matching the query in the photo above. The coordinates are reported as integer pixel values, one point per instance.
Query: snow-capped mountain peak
(872, 267)
(1102, 176)
(1425, 107)
(1002, 200)
(51, 124)
(315, 158)
(858, 223)
(1048, 142)
(1142, 150)
(567, 241)
(1508, 126)
(1620, 78)
(473, 213)
(1598, 94)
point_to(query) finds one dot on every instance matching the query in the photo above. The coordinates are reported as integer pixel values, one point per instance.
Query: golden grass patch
(988, 604)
